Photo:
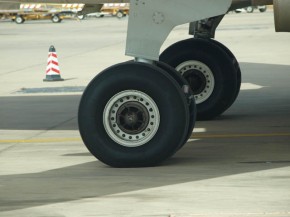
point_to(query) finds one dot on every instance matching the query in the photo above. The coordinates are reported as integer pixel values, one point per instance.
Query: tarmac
(234, 166)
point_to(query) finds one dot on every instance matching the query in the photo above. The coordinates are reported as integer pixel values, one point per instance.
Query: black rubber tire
(154, 82)
(235, 64)
(19, 19)
(190, 99)
(220, 64)
(82, 17)
(55, 19)
(120, 14)
(262, 10)
(249, 9)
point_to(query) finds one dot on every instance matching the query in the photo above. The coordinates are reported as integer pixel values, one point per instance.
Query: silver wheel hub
(199, 77)
(131, 118)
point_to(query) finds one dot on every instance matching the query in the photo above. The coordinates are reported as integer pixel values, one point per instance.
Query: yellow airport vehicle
(55, 17)
(54, 12)
(116, 9)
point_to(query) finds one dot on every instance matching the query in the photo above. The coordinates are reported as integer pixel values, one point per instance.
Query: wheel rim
(249, 9)
(55, 19)
(200, 78)
(131, 118)
(120, 14)
(18, 19)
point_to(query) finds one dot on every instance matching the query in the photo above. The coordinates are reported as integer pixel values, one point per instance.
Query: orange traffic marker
(52, 69)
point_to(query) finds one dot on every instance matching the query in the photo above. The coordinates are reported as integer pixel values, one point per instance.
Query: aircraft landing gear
(135, 114)
(211, 70)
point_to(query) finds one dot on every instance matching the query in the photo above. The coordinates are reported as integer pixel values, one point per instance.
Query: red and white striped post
(52, 69)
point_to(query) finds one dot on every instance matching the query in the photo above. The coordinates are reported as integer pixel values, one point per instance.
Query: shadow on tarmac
(265, 110)
(39, 112)
(92, 180)
(54, 112)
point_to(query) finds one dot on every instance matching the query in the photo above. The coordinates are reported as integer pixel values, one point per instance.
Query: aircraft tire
(236, 66)
(189, 96)
(210, 72)
(133, 115)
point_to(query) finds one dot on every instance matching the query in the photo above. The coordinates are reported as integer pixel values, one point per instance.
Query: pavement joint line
(194, 136)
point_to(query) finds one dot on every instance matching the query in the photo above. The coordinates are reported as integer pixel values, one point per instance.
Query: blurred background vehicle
(119, 10)
(250, 9)
(95, 15)
(55, 17)
(112, 9)
(54, 12)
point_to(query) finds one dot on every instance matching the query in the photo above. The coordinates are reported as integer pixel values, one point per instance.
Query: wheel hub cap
(196, 80)
(200, 78)
(131, 118)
